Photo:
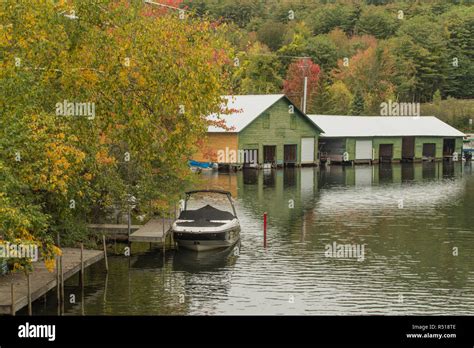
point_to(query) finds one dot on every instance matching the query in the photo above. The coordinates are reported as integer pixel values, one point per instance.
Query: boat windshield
(210, 205)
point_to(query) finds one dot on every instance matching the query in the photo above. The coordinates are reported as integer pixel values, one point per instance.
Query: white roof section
(383, 126)
(243, 110)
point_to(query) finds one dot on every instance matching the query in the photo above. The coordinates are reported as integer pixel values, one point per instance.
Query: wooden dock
(41, 280)
(114, 231)
(154, 231)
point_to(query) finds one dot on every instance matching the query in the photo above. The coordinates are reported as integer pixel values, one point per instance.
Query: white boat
(206, 228)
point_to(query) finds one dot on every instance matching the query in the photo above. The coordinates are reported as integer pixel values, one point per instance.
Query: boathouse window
(266, 121)
(292, 121)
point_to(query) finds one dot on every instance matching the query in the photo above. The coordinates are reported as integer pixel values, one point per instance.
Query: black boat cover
(206, 213)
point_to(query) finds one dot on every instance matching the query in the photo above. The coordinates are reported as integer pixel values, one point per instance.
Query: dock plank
(152, 231)
(41, 280)
(113, 226)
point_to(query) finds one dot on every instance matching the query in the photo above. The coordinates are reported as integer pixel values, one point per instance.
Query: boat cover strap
(200, 223)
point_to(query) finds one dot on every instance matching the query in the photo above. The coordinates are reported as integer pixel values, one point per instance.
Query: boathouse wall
(396, 144)
(215, 142)
(278, 127)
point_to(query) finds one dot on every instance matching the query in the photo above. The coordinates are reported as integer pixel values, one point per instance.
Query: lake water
(412, 225)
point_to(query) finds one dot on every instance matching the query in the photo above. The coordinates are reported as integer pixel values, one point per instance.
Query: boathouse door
(290, 156)
(269, 154)
(429, 150)
(250, 158)
(307, 150)
(448, 147)
(363, 149)
(386, 152)
(408, 148)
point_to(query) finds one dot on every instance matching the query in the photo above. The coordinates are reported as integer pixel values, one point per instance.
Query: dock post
(81, 275)
(82, 299)
(265, 229)
(128, 221)
(13, 299)
(62, 283)
(105, 254)
(164, 240)
(128, 230)
(30, 308)
(58, 286)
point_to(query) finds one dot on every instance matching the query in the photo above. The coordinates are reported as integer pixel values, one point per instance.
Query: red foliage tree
(293, 86)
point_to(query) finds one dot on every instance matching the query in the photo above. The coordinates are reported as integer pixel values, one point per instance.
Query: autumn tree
(369, 72)
(293, 86)
(152, 77)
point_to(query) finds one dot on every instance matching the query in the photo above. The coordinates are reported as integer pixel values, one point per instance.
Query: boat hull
(204, 240)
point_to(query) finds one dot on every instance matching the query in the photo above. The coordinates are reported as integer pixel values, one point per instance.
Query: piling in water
(62, 283)
(13, 299)
(265, 229)
(30, 308)
(81, 275)
(105, 254)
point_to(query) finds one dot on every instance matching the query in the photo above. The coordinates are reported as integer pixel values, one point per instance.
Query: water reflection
(207, 261)
(409, 217)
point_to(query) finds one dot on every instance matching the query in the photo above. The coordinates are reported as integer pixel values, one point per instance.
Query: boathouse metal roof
(383, 126)
(242, 110)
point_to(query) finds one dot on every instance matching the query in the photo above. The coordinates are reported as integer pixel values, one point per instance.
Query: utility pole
(305, 91)
(304, 67)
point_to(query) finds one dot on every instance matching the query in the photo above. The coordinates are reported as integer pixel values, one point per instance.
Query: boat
(206, 228)
(199, 167)
(468, 147)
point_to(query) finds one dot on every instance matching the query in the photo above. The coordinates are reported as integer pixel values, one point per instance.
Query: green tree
(325, 19)
(323, 51)
(437, 97)
(320, 104)
(340, 99)
(271, 34)
(357, 106)
(239, 13)
(459, 25)
(258, 72)
(378, 22)
(421, 43)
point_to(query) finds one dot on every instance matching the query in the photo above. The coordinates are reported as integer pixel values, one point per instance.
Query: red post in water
(265, 229)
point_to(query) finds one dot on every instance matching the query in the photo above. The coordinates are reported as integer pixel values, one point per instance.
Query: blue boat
(203, 165)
